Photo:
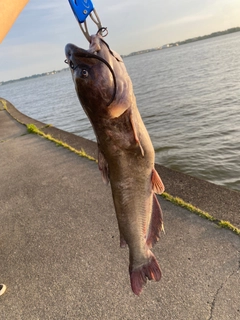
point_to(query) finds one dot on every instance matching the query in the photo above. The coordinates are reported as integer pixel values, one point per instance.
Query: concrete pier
(59, 242)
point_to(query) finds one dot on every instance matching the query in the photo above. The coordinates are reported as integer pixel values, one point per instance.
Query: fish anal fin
(139, 276)
(157, 184)
(103, 167)
(156, 223)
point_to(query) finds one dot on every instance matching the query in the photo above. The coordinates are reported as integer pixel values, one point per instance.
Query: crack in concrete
(218, 290)
(238, 260)
(214, 300)
(10, 139)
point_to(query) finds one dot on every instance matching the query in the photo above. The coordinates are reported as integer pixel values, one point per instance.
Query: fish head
(101, 81)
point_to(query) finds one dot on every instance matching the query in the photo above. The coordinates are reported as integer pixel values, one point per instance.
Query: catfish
(125, 152)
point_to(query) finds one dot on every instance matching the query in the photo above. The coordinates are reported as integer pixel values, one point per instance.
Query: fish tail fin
(156, 223)
(138, 276)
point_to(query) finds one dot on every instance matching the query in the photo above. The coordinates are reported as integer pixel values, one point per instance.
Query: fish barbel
(125, 152)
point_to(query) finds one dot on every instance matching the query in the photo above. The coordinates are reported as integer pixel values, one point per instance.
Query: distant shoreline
(178, 43)
(211, 35)
(173, 44)
(32, 77)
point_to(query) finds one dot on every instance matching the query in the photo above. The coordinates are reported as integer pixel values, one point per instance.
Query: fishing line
(94, 56)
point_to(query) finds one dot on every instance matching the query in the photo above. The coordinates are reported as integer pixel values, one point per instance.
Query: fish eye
(84, 73)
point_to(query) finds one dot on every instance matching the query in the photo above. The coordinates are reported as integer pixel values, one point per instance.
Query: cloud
(181, 21)
(40, 57)
(120, 6)
(40, 33)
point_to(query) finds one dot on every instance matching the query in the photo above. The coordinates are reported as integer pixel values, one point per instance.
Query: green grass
(31, 128)
(4, 104)
(199, 212)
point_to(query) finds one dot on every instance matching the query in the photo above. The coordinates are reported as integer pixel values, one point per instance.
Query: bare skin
(126, 154)
(9, 11)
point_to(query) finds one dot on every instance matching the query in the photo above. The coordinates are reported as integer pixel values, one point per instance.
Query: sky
(36, 42)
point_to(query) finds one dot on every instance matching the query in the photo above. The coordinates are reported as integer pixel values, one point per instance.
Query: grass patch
(179, 202)
(31, 128)
(4, 104)
(6, 108)
(47, 126)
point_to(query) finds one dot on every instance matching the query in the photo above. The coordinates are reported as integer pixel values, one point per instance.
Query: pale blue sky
(36, 42)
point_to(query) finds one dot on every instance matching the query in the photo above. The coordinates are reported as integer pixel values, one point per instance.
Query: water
(189, 98)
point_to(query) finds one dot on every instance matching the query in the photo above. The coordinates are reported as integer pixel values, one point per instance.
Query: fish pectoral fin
(135, 134)
(116, 110)
(156, 223)
(119, 109)
(103, 167)
(157, 184)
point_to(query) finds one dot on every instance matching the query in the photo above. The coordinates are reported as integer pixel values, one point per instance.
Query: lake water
(189, 98)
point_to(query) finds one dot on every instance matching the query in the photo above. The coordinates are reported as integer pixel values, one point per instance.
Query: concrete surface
(220, 202)
(59, 243)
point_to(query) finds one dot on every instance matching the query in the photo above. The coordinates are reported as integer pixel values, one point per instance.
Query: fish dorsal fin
(157, 184)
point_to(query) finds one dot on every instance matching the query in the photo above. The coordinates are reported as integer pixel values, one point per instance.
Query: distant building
(166, 46)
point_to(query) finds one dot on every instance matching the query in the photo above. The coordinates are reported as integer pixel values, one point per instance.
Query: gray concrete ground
(59, 242)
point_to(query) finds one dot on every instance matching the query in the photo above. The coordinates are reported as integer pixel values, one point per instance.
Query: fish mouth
(74, 55)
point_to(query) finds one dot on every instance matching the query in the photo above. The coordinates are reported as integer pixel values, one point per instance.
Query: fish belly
(134, 201)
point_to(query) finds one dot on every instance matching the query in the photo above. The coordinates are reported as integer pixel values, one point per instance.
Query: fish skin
(126, 154)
